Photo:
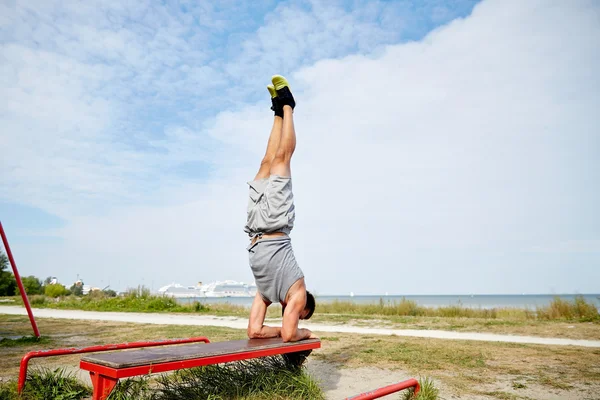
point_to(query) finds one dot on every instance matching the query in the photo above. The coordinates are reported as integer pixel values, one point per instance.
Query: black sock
(285, 97)
(276, 107)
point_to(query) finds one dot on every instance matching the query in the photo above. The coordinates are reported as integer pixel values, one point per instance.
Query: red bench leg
(103, 385)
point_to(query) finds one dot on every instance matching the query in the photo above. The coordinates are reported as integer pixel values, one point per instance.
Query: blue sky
(455, 143)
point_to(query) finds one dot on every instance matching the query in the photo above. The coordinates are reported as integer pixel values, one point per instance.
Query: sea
(521, 301)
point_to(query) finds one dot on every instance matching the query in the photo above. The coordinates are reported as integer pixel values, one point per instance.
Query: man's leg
(272, 146)
(283, 156)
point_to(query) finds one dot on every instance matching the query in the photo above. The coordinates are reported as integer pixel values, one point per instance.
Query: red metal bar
(36, 332)
(103, 386)
(384, 391)
(96, 349)
(194, 362)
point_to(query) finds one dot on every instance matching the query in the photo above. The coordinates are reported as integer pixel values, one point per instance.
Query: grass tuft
(266, 378)
(8, 390)
(257, 379)
(132, 388)
(57, 384)
(559, 309)
(428, 391)
(579, 309)
(141, 300)
(23, 341)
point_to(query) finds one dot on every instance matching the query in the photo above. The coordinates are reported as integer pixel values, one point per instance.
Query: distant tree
(55, 290)
(110, 293)
(76, 289)
(3, 261)
(48, 280)
(8, 284)
(32, 285)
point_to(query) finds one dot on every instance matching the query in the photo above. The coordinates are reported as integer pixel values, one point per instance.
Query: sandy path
(241, 323)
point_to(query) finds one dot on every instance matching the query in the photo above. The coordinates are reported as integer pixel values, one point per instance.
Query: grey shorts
(274, 267)
(270, 206)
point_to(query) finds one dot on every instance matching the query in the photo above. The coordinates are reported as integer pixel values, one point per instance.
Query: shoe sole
(279, 82)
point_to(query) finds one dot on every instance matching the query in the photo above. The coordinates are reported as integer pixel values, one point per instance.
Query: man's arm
(290, 331)
(256, 329)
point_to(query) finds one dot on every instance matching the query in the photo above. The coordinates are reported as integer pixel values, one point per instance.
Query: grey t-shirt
(274, 267)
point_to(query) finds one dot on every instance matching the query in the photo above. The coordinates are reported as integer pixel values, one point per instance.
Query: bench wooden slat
(149, 356)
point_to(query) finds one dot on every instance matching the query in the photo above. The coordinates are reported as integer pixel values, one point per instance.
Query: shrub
(54, 384)
(564, 309)
(55, 290)
(8, 283)
(428, 391)
(76, 289)
(265, 378)
(141, 292)
(32, 285)
(38, 300)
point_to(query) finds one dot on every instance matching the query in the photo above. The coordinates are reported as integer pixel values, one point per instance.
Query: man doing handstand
(270, 220)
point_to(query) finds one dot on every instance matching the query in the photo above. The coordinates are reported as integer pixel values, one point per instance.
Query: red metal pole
(97, 349)
(384, 391)
(36, 332)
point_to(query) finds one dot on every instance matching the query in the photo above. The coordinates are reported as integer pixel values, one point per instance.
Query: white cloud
(425, 167)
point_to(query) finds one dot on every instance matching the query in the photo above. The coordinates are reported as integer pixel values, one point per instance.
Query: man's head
(309, 308)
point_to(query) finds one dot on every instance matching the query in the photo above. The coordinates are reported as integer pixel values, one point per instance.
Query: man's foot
(275, 105)
(282, 87)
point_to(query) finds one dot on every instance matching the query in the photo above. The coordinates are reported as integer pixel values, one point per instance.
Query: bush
(161, 304)
(96, 295)
(141, 292)
(76, 290)
(8, 283)
(8, 390)
(54, 384)
(563, 309)
(38, 300)
(55, 290)
(264, 378)
(32, 285)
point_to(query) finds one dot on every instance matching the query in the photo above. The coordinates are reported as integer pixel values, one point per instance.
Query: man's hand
(312, 336)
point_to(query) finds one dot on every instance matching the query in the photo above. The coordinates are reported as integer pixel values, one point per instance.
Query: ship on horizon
(226, 288)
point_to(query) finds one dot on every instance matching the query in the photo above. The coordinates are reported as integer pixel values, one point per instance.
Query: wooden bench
(107, 368)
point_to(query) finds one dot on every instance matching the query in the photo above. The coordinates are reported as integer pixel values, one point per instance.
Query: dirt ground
(339, 383)
(349, 364)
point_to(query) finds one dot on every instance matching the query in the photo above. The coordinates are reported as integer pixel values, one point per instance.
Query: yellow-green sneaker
(275, 106)
(284, 94)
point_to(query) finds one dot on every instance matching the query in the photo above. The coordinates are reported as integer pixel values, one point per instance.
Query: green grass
(267, 378)
(428, 391)
(579, 309)
(558, 309)
(257, 379)
(140, 300)
(133, 388)
(425, 355)
(24, 341)
(46, 384)
(8, 390)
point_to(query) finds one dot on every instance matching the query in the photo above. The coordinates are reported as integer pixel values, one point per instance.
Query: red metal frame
(36, 332)
(97, 349)
(384, 391)
(105, 378)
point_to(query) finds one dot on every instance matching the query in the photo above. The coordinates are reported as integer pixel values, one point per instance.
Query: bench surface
(158, 355)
